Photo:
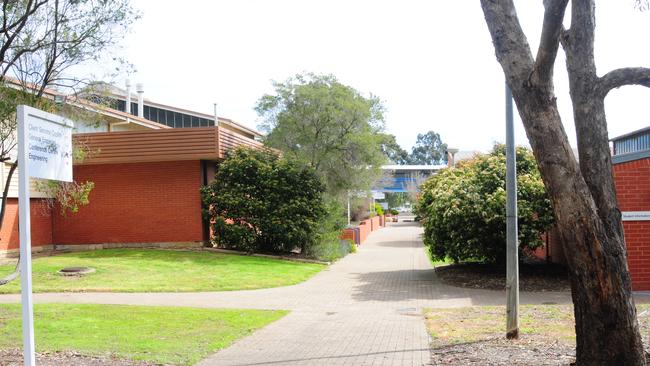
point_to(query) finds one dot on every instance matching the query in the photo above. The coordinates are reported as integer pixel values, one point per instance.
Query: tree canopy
(428, 150)
(41, 39)
(393, 151)
(329, 126)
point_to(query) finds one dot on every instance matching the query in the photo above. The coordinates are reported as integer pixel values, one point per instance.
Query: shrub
(259, 202)
(359, 209)
(332, 250)
(378, 209)
(463, 208)
(394, 211)
(353, 247)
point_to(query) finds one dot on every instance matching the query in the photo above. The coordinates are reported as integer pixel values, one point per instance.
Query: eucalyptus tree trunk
(583, 196)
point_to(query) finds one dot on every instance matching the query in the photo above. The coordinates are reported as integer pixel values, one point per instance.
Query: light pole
(512, 260)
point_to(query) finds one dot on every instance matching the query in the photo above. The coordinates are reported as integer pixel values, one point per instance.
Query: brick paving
(365, 309)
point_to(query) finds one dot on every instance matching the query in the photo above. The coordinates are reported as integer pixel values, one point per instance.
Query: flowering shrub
(463, 209)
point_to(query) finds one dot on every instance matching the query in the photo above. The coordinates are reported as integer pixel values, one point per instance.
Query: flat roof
(412, 167)
(645, 129)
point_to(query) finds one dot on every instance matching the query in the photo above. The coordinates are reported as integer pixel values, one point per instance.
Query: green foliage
(393, 151)
(428, 150)
(332, 248)
(68, 196)
(260, 202)
(463, 208)
(394, 211)
(353, 247)
(378, 209)
(397, 199)
(328, 126)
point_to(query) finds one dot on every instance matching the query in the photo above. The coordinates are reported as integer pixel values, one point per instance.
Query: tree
(393, 152)
(397, 199)
(463, 210)
(428, 150)
(259, 202)
(40, 41)
(328, 126)
(583, 195)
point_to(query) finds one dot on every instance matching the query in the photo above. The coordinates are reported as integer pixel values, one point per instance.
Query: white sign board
(378, 195)
(635, 216)
(49, 145)
(44, 151)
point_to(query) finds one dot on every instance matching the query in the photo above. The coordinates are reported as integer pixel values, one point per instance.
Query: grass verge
(150, 270)
(477, 335)
(467, 325)
(168, 335)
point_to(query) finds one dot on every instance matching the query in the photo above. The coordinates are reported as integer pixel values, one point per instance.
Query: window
(178, 120)
(120, 105)
(169, 118)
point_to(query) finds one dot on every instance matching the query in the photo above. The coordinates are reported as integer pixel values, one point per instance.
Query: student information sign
(44, 151)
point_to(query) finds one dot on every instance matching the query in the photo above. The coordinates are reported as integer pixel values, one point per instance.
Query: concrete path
(363, 310)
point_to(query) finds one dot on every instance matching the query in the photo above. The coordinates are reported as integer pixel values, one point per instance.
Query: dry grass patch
(476, 336)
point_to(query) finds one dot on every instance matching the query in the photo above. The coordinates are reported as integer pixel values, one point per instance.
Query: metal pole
(25, 242)
(216, 118)
(512, 260)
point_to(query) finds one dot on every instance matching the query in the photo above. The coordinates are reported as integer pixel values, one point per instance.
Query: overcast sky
(431, 62)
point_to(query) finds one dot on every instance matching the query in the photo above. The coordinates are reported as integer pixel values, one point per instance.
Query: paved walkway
(363, 310)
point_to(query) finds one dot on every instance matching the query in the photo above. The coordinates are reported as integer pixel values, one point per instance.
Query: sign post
(44, 151)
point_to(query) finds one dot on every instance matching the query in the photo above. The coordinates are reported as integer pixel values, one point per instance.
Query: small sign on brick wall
(636, 215)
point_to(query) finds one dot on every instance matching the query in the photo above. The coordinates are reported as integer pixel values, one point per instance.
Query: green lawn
(170, 335)
(149, 270)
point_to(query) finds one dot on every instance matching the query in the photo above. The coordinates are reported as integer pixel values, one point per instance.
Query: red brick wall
(41, 223)
(136, 203)
(633, 192)
(349, 234)
(375, 223)
(365, 227)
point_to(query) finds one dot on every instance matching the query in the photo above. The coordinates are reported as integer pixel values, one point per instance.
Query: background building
(147, 177)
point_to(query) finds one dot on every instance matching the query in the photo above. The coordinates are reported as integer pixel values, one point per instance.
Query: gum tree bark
(583, 196)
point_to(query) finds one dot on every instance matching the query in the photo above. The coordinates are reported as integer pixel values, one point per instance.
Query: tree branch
(550, 39)
(580, 45)
(625, 76)
(510, 43)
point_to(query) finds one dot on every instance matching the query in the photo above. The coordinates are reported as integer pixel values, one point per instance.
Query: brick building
(147, 176)
(631, 165)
